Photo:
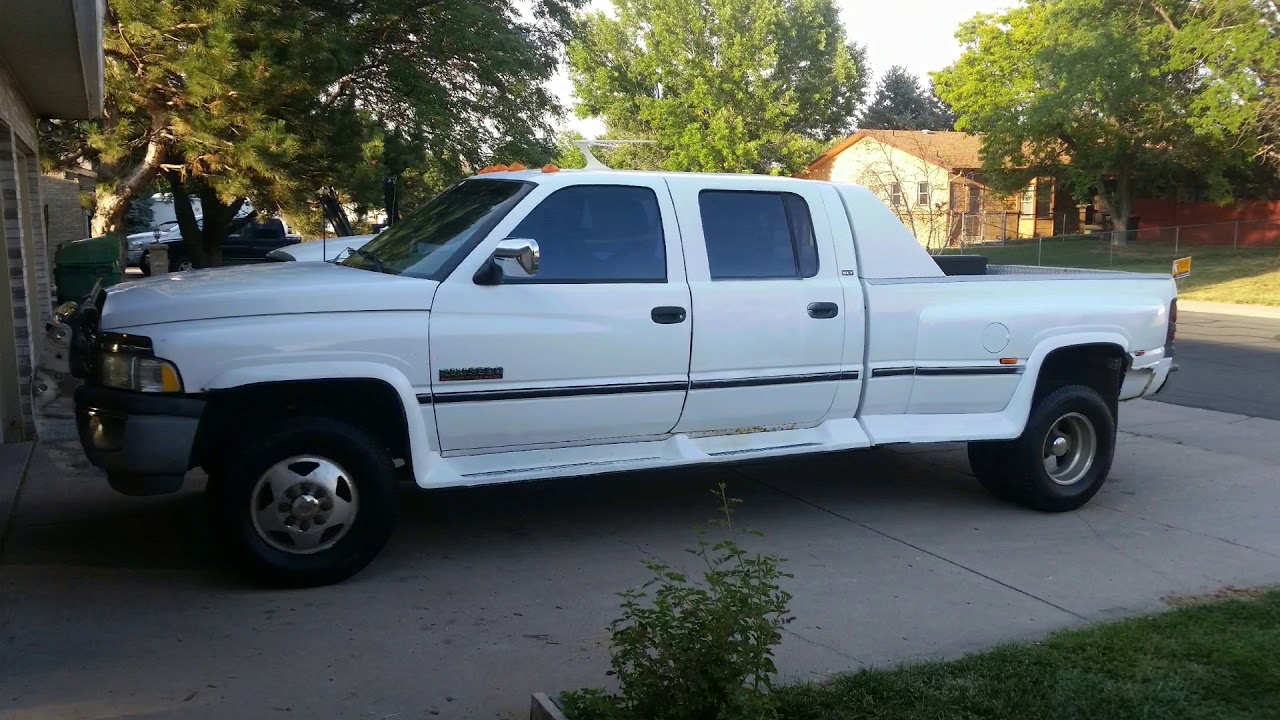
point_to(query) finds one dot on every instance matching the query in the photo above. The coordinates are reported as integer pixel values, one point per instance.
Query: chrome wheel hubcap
(303, 504)
(1069, 449)
(185, 265)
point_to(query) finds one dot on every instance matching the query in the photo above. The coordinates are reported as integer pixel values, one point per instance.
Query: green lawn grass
(1218, 273)
(1211, 661)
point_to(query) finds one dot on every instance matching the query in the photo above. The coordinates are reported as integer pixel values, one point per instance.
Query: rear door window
(758, 235)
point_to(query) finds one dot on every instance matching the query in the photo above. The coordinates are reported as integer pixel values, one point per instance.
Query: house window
(922, 193)
(1044, 199)
(1028, 201)
(975, 199)
(895, 194)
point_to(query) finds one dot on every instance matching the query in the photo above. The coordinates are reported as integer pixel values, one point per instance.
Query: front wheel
(1062, 457)
(310, 503)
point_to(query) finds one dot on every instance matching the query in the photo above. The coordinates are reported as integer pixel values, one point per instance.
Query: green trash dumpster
(78, 265)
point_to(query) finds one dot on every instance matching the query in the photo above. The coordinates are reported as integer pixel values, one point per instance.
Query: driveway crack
(824, 646)
(917, 548)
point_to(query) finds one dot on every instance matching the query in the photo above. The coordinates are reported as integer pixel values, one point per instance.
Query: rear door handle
(823, 310)
(668, 315)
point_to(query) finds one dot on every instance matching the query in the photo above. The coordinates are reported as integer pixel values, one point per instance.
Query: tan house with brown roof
(933, 181)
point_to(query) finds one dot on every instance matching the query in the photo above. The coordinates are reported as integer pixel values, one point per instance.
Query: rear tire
(310, 503)
(1062, 458)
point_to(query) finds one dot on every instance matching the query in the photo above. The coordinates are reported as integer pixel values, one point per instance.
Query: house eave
(53, 49)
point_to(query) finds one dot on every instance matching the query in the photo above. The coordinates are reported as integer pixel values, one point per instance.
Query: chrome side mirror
(518, 252)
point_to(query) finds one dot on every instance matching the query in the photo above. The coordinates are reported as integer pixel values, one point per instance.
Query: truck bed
(977, 265)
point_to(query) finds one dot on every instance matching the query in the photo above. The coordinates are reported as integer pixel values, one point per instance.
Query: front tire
(311, 503)
(1062, 457)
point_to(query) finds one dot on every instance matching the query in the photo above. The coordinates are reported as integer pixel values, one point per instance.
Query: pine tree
(901, 104)
(272, 101)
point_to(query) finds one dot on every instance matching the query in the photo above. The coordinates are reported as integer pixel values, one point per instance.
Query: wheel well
(231, 414)
(1100, 366)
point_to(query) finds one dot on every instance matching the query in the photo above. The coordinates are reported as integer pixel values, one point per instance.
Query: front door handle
(823, 310)
(668, 315)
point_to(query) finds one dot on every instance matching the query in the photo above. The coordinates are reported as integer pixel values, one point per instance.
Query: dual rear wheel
(1062, 457)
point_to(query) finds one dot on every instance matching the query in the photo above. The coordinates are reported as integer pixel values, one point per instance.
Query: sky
(917, 34)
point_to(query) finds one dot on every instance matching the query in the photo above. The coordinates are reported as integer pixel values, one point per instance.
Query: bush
(696, 650)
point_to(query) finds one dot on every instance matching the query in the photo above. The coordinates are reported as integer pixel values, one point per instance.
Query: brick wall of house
(18, 363)
(66, 219)
(24, 286)
(14, 110)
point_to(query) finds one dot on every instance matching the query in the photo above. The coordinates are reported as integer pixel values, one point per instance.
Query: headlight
(127, 363)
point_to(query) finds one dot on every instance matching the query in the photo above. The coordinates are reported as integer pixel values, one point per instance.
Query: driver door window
(597, 233)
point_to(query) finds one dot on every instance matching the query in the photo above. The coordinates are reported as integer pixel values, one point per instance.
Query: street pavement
(115, 607)
(1228, 363)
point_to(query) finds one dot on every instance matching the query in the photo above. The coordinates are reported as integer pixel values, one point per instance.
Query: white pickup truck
(528, 325)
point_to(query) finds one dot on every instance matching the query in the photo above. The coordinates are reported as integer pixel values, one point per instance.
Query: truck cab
(537, 324)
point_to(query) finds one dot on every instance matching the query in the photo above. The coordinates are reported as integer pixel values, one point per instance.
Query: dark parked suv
(248, 242)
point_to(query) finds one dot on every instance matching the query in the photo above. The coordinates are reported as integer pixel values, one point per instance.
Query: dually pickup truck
(539, 324)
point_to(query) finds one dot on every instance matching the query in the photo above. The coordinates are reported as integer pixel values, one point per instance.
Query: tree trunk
(183, 212)
(203, 243)
(217, 225)
(113, 202)
(1120, 204)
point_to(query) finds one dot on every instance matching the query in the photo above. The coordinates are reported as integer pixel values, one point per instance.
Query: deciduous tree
(1087, 91)
(720, 85)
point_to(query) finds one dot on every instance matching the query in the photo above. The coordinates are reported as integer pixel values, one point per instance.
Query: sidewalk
(1219, 308)
(13, 467)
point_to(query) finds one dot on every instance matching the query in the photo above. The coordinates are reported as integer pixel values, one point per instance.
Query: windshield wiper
(377, 264)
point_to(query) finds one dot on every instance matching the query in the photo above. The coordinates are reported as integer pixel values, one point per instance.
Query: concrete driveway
(116, 607)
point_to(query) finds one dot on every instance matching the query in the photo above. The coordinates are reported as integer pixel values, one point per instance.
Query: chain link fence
(1142, 249)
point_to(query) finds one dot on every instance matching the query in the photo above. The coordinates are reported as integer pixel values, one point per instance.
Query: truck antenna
(592, 162)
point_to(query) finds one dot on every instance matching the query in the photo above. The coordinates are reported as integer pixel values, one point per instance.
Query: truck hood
(265, 289)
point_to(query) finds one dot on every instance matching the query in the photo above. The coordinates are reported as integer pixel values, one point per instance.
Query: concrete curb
(15, 458)
(544, 708)
(1218, 308)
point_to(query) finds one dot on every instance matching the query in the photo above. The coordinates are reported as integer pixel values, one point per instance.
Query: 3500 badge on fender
(472, 373)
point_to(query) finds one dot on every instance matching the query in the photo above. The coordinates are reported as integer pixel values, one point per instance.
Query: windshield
(434, 239)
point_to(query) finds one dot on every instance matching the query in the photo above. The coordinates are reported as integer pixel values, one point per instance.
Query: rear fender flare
(1019, 407)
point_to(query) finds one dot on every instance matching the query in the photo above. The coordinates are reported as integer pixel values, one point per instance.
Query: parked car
(328, 250)
(528, 325)
(248, 242)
